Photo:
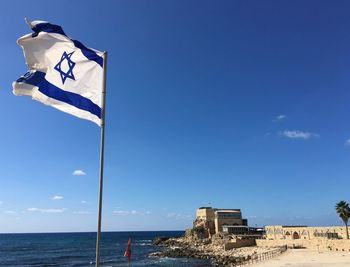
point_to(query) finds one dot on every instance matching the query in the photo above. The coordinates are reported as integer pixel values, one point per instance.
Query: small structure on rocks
(225, 226)
(219, 235)
(210, 221)
(213, 219)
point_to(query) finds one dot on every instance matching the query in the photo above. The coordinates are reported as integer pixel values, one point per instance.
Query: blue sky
(233, 104)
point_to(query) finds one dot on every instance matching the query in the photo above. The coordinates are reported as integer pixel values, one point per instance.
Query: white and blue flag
(63, 73)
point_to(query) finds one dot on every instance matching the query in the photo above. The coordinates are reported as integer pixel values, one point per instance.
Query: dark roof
(216, 209)
(290, 226)
(235, 226)
(228, 209)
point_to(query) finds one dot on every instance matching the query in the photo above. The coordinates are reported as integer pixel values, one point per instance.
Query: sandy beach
(308, 258)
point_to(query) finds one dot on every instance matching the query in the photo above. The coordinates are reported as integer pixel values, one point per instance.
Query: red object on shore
(127, 252)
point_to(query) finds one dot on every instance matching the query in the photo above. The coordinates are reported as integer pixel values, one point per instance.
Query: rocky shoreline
(209, 249)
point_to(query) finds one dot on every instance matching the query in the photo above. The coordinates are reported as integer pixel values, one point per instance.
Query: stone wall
(239, 243)
(316, 244)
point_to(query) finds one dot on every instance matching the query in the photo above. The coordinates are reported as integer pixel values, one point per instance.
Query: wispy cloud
(299, 134)
(252, 217)
(10, 212)
(280, 118)
(179, 216)
(121, 212)
(46, 210)
(79, 173)
(83, 202)
(57, 197)
(1, 202)
(131, 212)
(347, 142)
(82, 212)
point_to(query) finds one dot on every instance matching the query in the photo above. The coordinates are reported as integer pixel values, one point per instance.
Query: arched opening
(304, 234)
(296, 235)
(287, 235)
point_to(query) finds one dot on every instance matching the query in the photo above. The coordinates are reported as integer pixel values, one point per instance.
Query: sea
(78, 249)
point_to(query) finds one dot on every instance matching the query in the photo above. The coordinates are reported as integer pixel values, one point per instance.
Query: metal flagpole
(102, 148)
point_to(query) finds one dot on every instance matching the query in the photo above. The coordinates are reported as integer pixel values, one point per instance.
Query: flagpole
(102, 148)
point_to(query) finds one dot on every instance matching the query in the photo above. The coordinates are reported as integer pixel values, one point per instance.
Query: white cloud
(47, 210)
(179, 216)
(10, 212)
(32, 209)
(131, 212)
(82, 212)
(83, 202)
(299, 134)
(57, 197)
(347, 142)
(79, 173)
(280, 117)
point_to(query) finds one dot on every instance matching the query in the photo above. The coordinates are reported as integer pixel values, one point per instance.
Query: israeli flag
(63, 73)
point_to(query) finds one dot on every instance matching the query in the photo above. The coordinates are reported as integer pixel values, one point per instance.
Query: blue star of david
(69, 74)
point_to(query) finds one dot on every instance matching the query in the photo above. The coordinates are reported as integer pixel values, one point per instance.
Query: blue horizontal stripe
(70, 98)
(38, 79)
(48, 27)
(51, 28)
(33, 78)
(88, 53)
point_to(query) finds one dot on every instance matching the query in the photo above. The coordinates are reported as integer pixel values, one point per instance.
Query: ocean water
(78, 249)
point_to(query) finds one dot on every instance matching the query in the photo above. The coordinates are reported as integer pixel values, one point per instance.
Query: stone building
(214, 219)
(330, 238)
(279, 232)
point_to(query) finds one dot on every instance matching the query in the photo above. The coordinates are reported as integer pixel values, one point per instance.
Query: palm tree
(343, 211)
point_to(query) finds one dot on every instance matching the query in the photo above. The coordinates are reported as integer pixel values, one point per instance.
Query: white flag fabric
(63, 73)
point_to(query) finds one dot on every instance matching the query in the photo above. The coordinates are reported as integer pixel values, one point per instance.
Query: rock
(206, 248)
(160, 239)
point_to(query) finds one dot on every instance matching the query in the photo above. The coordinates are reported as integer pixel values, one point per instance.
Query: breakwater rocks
(212, 249)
